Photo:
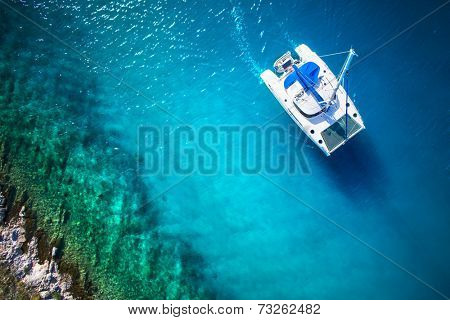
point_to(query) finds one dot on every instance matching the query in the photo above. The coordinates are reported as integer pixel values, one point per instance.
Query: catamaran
(315, 98)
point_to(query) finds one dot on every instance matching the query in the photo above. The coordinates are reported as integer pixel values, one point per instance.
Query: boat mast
(342, 74)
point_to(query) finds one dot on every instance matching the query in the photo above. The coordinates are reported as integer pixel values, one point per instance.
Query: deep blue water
(389, 186)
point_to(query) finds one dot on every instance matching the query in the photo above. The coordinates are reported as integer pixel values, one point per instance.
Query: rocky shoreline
(20, 256)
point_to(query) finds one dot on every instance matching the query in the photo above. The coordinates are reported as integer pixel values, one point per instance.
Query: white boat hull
(325, 128)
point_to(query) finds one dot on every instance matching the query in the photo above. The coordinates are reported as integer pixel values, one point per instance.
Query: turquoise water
(201, 61)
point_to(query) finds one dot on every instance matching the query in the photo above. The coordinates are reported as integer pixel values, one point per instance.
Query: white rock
(39, 277)
(45, 294)
(22, 212)
(54, 251)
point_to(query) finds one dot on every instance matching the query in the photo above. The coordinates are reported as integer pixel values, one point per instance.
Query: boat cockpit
(284, 63)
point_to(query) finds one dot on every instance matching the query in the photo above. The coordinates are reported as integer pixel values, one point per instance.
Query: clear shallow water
(201, 61)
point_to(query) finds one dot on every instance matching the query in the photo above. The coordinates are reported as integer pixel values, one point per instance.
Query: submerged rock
(54, 252)
(43, 279)
(22, 212)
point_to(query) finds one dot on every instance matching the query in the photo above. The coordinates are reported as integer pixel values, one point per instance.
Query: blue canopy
(307, 75)
(310, 71)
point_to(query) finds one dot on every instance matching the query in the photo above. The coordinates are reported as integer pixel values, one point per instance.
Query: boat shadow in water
(357, 170)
